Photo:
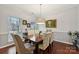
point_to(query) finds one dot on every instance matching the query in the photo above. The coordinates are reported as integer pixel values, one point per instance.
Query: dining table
(36, 39)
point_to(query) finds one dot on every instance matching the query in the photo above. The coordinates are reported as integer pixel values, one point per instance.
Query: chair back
(20, 48)
(46, 41)
(51, 37)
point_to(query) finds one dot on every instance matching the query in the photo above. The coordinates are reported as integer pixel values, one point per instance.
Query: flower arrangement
(74, 35)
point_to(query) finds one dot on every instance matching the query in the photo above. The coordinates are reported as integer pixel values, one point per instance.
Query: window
(34, 26)
(14, 26)
(41, 27)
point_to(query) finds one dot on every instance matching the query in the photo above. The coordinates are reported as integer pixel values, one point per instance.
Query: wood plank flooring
(58, 48)
(62, 48)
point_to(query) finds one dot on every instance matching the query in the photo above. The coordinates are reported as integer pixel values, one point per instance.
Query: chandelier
(40, 19)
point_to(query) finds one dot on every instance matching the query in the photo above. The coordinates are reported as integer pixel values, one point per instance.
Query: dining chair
(25, 36)
(20, 47)
(50, 42)
(44, 46)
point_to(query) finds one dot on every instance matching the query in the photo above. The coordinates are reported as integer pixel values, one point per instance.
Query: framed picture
(51, 23)
(24, 22)
(28, 25)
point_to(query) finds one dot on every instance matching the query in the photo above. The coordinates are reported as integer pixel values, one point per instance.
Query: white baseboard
(64, 42)
(8, 44)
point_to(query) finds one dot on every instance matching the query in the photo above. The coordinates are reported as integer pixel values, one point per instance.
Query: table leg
(36, 49)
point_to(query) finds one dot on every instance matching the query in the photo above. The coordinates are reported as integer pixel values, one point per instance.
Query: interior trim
(7, 45)
(64, 42)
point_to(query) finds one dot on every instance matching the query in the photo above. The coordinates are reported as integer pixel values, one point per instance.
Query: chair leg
(42, 52)
(47, 51)
(76, 48)
(50, 48)
(16, 52)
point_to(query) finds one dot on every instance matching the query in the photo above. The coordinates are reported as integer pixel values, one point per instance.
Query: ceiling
(35, 8)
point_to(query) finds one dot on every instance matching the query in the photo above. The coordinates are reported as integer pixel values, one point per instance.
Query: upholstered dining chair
(44, 46)
(50, 42)
(20, 48)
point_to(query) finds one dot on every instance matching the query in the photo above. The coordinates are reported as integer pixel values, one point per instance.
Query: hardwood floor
(62, 48)
(8, 50)
(58, 48)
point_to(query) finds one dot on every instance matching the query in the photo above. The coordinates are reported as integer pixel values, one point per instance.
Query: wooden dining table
(36, 40)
